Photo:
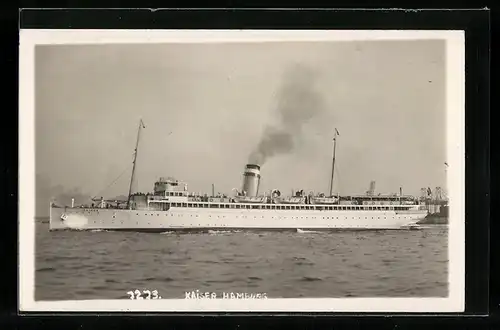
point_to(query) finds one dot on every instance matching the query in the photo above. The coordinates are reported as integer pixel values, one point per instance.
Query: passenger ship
(172, 207)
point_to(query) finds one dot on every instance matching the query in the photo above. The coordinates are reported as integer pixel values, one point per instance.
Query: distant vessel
(172, 207)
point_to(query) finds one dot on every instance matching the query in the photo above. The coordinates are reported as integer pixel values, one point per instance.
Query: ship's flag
(336, 131)
(429, 191)
(446, 164)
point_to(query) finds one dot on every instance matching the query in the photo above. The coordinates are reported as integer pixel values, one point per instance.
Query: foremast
(132, 177)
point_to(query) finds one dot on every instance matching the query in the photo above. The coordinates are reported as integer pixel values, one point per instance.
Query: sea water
(288, 264)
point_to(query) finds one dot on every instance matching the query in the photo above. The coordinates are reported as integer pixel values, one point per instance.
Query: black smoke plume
(298, 102)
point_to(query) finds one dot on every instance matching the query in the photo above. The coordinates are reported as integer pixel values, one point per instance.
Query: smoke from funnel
(298, 102)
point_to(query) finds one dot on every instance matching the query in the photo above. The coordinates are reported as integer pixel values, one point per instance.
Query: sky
(208, 107)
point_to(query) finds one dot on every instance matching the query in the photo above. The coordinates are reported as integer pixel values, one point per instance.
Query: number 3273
(144, 294)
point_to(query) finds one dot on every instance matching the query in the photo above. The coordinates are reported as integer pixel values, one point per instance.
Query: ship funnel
(251, 180)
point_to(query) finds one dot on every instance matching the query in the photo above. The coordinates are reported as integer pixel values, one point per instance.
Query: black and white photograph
(242, 171)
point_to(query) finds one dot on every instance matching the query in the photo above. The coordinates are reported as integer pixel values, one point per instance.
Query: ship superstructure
(171, 206)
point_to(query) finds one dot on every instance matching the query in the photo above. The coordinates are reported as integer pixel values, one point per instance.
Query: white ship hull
(63, 218)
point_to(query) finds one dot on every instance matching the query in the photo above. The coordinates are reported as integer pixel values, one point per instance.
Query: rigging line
(114, 181)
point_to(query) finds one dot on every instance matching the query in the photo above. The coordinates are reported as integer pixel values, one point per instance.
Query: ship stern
(62, 218)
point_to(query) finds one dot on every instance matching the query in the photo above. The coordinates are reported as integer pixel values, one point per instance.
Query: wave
(215, 232)
(75, 221)
(310, 279)
(45, 269)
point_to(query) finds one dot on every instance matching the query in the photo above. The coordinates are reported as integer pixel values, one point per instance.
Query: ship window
(184, 204)
(190, 205)
(288, 207)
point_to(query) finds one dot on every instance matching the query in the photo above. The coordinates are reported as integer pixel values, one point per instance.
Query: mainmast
(333, 160)
(141, 125)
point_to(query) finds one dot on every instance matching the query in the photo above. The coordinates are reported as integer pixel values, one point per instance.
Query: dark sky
(386, 98)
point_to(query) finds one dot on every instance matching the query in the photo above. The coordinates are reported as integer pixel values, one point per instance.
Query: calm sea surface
(106, 265)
